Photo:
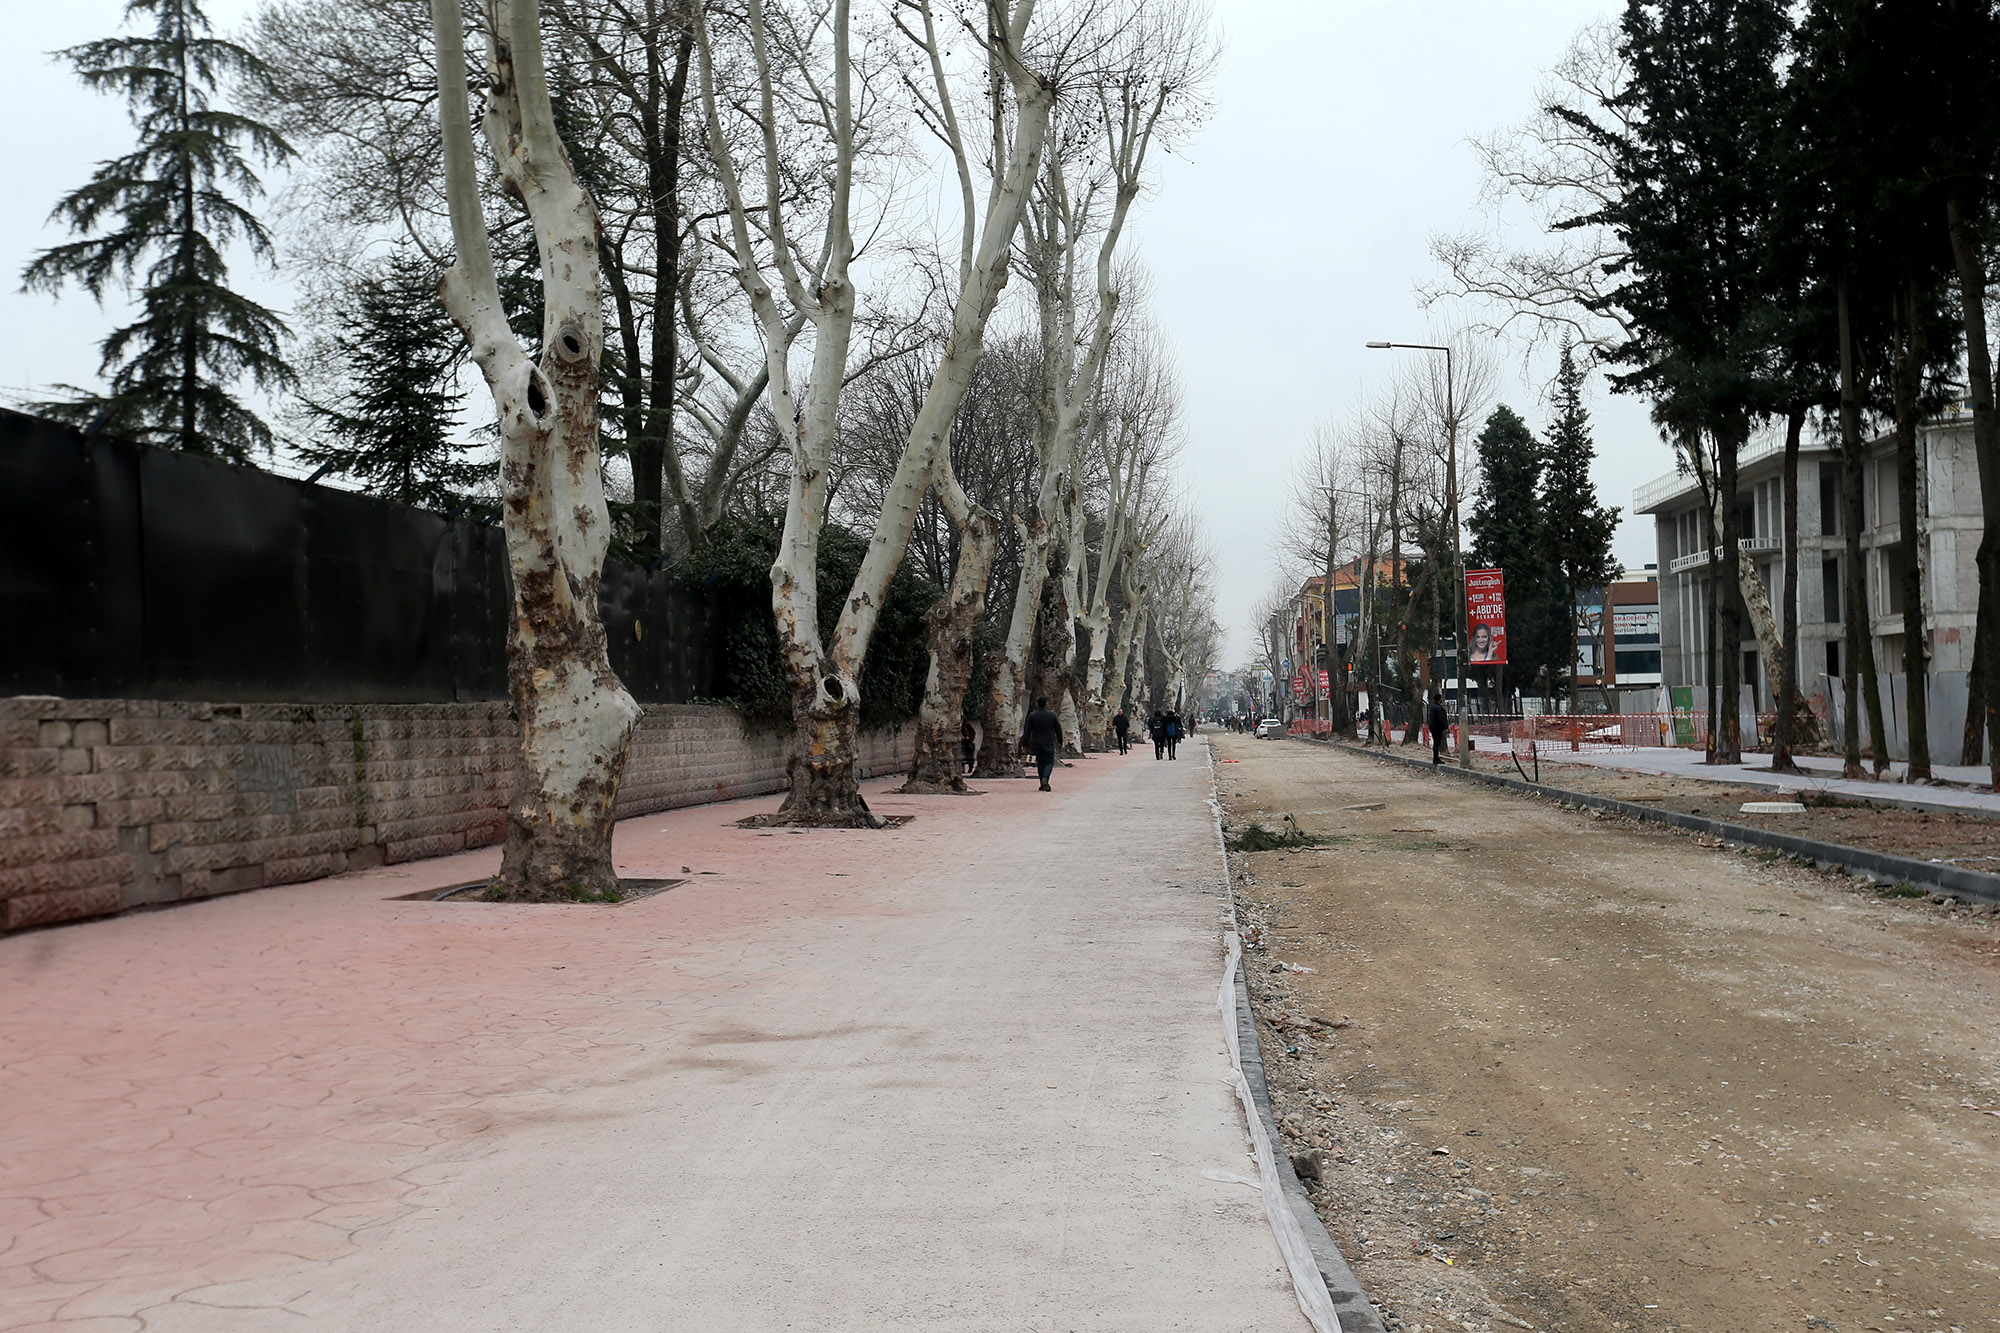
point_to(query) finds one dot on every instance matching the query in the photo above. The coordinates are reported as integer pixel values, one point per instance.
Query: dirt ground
(1972, 841)
(1577, 1074)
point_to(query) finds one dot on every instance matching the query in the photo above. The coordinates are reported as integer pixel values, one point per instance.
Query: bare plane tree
(783, 284)
(1158, 61)
(1133, 438)
(576, 718)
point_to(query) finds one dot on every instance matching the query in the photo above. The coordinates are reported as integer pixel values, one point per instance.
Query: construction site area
(1549, 1067)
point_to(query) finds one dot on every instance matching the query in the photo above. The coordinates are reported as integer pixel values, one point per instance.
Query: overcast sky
(1290, 232)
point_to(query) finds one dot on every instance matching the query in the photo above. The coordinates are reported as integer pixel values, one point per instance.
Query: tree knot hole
(834, 689)
(571, 344)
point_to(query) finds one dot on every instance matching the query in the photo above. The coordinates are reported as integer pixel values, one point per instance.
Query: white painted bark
(576, 717)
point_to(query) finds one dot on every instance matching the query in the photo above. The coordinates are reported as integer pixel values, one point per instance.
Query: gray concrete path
(966, 1074)
(1821, 775)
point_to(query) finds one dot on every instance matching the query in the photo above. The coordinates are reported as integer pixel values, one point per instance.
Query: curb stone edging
(1356, 1313)
(1350, 1303)
(1882, 867)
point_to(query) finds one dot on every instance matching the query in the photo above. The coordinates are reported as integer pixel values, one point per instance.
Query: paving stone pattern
(110, 804)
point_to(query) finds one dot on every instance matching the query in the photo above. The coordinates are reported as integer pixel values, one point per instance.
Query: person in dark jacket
(1042, 733)
(1435, 719)
(967, 744)
(1157, 726)
(1173, 726)
(1120, 726)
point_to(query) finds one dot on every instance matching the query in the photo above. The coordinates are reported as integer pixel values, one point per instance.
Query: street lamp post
(1451, 502)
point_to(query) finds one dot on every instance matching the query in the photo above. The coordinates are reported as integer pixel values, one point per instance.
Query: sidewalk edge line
(1340, 1294)
(1882, 867)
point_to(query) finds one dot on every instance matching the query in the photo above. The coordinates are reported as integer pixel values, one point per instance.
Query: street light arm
(1462, 629)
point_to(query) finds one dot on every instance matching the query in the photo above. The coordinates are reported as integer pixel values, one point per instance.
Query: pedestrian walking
(1042, 733)
(1120, 727)
(1157, 727)
(1435, 719)
(1173, 721)
(966, 744)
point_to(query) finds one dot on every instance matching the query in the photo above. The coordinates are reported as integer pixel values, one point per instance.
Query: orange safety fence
(1581, 732)
(1595, 732)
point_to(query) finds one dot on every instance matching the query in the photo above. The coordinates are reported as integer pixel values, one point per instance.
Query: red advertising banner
(1324, 683)
(1486, 612)
(1298, 689)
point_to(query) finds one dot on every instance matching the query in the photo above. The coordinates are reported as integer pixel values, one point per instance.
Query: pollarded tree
(174, 204)
(393, 429)
(576, 718)
(1576, 530)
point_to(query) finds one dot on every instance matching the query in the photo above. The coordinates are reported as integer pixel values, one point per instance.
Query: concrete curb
(1351, 1305)
(1880, 866)
(1342, 1287)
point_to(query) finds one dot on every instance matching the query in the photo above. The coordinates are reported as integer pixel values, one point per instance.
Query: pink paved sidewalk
(965, 1073)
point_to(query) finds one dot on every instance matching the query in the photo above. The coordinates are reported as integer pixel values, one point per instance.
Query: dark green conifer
(159, 219)
(1506, 528)
(398, 354)
(1576, 530)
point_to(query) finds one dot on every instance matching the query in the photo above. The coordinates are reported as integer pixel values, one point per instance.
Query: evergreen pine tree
(1576, 530)
(1698, 149)
(399, 354)
(173, 205)
(1506, 526)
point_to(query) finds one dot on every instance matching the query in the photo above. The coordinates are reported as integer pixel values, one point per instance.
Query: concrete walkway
(963, 1074)
(1821, 775)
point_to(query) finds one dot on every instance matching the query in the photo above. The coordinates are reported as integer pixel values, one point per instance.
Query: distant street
(1617, 1079)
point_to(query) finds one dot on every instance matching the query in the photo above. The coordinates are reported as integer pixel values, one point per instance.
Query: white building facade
(1950, 523)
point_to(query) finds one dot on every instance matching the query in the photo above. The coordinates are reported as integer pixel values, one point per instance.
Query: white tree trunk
(576, 717)
(937, 767)
(1756, 599)
(826, 695)
(1119, 670)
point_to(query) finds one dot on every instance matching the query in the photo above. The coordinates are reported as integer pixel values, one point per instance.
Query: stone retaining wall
(108, 804)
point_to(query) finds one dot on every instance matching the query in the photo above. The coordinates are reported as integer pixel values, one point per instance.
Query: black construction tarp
(132, 572)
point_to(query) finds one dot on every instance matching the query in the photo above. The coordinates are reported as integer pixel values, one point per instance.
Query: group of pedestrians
(1042, 736)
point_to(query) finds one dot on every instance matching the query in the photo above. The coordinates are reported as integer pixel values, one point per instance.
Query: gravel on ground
(1582, 1073)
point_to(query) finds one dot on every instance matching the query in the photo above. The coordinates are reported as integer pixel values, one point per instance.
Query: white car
(1270, 727)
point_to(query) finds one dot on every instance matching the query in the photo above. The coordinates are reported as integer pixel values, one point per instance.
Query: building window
(1833, 657)
(1830, 589)
(1829, 499)
(1886, 494)
(1895, 565)
(1638, 662)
